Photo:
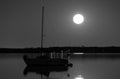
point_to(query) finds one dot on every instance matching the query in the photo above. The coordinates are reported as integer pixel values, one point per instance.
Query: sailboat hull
(46, 62)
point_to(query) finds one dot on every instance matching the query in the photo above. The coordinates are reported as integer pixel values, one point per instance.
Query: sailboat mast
(42, 28)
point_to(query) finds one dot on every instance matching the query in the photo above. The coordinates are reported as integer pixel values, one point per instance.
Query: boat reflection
(44, 64)
(45, 70)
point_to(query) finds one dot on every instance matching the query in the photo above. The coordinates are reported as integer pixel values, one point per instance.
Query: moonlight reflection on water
(79, 77)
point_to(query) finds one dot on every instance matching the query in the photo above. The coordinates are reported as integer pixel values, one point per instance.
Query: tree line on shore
(111, 49)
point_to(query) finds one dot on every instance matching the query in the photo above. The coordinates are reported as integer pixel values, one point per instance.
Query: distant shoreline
(111, 49)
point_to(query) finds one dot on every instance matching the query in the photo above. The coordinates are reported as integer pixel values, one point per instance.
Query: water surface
(13, 65)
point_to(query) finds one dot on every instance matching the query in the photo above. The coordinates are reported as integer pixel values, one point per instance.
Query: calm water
(12, 67)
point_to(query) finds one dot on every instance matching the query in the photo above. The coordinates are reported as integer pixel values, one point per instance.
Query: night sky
(20, 24)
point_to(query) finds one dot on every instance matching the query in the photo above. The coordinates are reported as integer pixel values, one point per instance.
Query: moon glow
(78, 19)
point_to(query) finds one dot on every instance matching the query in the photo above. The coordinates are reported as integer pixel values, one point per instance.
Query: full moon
(78, 19)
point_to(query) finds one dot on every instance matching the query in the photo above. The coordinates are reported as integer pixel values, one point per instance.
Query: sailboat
(47, 59)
